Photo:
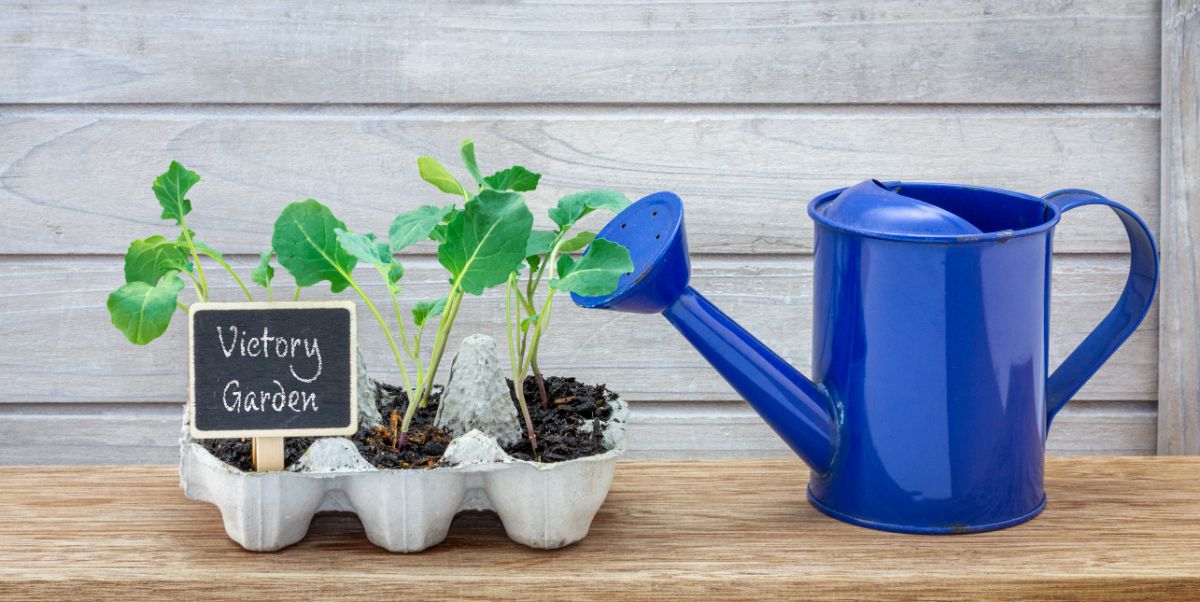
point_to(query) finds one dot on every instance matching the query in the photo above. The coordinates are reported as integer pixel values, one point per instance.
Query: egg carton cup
(542, 505)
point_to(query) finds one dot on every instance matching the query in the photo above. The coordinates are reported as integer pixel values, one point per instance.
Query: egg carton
(542, 505)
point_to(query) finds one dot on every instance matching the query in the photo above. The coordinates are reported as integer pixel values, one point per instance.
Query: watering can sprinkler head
(652, 229)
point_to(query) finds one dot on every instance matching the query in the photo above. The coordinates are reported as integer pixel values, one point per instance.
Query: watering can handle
(1135, 300)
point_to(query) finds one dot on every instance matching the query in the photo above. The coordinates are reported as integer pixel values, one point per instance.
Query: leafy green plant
(156, 266)
(548, 255)
(479, 245)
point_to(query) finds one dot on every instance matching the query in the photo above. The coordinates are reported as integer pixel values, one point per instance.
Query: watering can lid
(875, 207)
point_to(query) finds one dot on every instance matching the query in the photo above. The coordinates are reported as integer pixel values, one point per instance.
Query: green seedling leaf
(416, 225)
(597, 272)
(565, 265)
(434, 173)
(515, 178)
(180, 266)
(439, 231)
(468, 156)
(201, 248)
(306, 245)
(540, 242)
(577, 242)
(171, 189)
(573, 207)
(528, 321)
(207, 250)
(265, 272)
(394, 273)
(487, 241)
(150, 259)
(365, 248)
(424, 310)
(143, 311)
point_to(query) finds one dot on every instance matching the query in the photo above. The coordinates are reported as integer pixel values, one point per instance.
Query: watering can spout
(652, 229)
(796, 408)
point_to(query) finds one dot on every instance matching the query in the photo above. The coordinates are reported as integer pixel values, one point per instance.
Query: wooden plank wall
(745, 109)
(1179, 380)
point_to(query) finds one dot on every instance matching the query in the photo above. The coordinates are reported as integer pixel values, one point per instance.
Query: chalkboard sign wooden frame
(348, 427)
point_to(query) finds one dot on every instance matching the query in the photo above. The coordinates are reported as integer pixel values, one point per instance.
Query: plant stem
(539, 328)
(387, 332)
(537, 373)
(222, 263)
(181, 307)
(543, 320)
(195, 283)
(417, 353)
(526, 304)
(187, 236)
(439, 348)
(440, 340)
(404, 338)
(519, 388)
(514, 362)
(296, 297)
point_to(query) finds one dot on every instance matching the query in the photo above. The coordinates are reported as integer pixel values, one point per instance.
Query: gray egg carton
(544, 506)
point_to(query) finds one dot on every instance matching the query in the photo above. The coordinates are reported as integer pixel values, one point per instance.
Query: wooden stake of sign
(267, 453)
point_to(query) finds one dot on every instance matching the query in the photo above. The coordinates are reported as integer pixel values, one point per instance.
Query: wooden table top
(1114, 528)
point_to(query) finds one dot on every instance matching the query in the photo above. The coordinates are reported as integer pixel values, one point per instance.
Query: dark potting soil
(558, 423)
(424, 444)
(558, 420)
(236, 452)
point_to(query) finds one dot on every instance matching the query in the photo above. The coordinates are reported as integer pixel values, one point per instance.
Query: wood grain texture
(745, 173)
(1179, 347)
(569, 52)
(148, 433)
(1114, 529)
(64, 323)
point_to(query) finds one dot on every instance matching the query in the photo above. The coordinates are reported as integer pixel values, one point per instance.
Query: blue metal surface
(930, 402)
(878, 207)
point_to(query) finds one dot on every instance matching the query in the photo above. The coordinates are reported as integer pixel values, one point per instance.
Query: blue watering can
(929, 402)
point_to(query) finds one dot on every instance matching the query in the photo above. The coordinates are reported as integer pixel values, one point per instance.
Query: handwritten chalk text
(245, 345)
(238, 401)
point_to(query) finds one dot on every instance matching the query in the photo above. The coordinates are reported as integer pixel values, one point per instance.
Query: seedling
(549, 254)
(155, 267)
(479, 245)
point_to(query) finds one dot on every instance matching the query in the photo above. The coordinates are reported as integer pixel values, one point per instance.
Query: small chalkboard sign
(272, 370)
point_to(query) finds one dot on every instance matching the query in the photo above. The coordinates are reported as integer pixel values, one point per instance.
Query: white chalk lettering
(242, 345)
(237, 401)
(232, 344)
(315, 349)
(225, 397)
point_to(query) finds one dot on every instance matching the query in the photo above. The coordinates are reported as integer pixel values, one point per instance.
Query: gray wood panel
(1179, 375)
(77, 180)
(946, 51)
(714, 431)
(65, 324)
(149, 433)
